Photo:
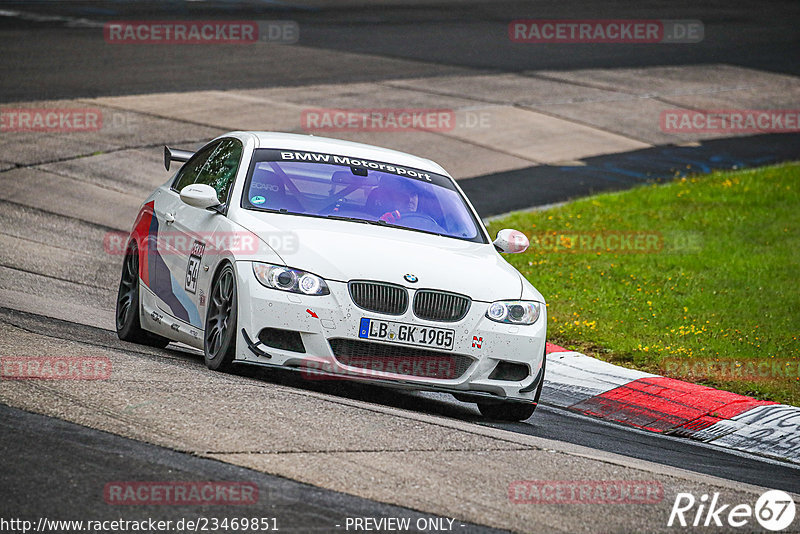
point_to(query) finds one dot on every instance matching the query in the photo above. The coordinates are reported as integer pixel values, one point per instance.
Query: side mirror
(200, 196)
(511, 241)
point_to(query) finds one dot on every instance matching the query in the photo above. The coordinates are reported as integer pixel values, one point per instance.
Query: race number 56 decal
(193, 267)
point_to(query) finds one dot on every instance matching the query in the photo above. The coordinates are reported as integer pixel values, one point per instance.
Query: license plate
(406, 334)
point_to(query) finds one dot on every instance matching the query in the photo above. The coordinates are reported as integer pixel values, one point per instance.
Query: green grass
(721, 289)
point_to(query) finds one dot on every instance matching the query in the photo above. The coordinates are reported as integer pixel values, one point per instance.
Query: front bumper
(479, 344)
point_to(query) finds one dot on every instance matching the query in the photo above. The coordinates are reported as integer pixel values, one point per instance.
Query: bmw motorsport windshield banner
(348, 161)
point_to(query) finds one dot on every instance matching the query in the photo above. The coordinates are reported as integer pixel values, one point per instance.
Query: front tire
(128, 322)
(219, 340)
(513, 411)
(507, 411)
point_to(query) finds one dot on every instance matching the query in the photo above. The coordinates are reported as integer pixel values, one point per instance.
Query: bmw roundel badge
(411, 278)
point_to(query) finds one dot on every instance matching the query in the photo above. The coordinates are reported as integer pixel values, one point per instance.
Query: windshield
(325, 185)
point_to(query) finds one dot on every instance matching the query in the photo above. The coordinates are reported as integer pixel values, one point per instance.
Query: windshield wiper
(381, 222)
(341, 218)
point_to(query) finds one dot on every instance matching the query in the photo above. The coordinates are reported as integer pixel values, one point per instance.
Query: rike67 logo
(774, 510)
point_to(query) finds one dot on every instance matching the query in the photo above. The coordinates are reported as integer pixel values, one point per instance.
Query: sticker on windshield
(356, 163)
(258, 199)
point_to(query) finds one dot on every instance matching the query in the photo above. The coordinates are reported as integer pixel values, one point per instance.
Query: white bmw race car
(338, 260)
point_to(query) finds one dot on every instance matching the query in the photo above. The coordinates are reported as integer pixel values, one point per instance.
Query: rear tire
(219, 339)
(128, 322)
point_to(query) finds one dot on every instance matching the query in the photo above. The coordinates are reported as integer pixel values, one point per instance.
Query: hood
(344, 251)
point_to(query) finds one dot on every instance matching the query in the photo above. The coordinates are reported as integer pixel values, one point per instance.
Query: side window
(220, 169)
(188, 173)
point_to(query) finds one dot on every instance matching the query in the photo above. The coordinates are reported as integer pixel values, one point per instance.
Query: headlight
(292, 280)
(513, 312)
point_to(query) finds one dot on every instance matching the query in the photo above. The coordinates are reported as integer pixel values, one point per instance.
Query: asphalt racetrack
(323, 452)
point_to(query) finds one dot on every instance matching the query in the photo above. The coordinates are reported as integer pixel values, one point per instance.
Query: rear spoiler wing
(172, 154)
